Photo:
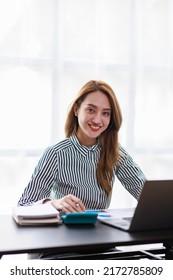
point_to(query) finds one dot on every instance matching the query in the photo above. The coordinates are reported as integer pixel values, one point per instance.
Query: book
(41, 214)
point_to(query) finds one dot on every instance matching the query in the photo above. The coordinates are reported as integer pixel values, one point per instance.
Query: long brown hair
(108, 139)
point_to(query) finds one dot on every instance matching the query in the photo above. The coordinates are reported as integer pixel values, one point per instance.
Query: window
(49, 49)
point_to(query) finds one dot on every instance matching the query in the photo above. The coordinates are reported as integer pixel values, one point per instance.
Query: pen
(95, 210)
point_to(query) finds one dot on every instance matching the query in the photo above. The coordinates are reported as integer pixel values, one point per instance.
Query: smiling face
(94, 116)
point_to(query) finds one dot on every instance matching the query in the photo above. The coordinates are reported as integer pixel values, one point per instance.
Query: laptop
(154, 210)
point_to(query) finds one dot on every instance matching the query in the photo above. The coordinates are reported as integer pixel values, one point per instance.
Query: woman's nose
(97, 119)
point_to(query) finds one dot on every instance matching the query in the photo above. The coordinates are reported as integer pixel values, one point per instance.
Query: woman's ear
(76, 109)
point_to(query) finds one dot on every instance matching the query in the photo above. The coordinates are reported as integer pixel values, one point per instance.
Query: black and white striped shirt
(70, 168)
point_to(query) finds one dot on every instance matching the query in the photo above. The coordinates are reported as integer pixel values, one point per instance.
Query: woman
(79, 172)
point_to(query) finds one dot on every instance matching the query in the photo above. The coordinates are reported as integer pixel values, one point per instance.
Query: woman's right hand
(68, 203)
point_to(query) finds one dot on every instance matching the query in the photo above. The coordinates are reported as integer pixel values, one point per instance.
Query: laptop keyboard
(127, 219)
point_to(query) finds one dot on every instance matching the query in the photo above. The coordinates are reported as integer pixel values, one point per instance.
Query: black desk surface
(19, 239)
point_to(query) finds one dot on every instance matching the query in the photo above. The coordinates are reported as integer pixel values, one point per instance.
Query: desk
(16, 239)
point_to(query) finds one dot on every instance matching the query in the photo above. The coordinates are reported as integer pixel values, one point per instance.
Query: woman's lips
(94, 128)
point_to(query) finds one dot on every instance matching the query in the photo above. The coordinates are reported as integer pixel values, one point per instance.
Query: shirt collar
(83, 149)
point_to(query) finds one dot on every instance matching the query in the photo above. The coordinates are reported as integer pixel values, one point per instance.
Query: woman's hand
(68, 203)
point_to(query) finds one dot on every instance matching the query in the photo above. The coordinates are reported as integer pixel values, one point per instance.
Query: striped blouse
(70, 168)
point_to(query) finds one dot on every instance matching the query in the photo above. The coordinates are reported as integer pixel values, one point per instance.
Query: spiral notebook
(36, 215)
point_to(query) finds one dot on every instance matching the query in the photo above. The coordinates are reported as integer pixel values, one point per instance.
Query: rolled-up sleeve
(129, 174)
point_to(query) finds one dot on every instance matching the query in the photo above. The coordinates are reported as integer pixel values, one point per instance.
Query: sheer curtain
(50, 48)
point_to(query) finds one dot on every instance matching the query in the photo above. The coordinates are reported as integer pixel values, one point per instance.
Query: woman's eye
(106, 113)
(90, 110)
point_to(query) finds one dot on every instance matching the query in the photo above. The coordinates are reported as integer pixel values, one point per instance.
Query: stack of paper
(36, 215)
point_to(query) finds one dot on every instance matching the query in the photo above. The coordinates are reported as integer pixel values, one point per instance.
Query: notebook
(36, 215)
(154, 210)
